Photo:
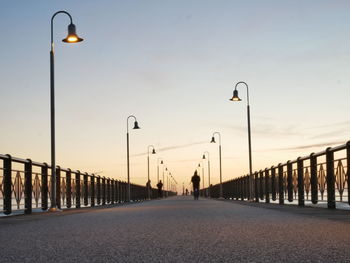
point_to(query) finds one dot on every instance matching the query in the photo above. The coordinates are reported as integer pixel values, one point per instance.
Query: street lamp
(167, 182)
(166, 169)
(72, 37)
(199, 166)
(161, 162)
(236, 98)
(209, 187)
(136, 126)
(148, 181)
(213, 141)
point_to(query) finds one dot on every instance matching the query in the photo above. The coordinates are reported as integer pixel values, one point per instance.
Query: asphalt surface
(179, 229)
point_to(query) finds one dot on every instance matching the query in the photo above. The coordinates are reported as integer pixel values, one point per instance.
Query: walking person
(160, 186)
(195, 182)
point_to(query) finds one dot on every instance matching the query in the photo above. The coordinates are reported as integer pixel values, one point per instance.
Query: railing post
(290, 181)
(256, 179)
(108, 190)
(280, 184)
(77, 189)
(124, 191)
(261, 181)
(103, 190)
(69, 187)
(28, 188)
(86, 190)
(92, 187)
(44, 187)
(112, 191)
(301, 195)
(117, 191)
(273, 183)
(330, 178)
(348, 168)
(7, 185)
(313, 180)
(58, 186)
(98, 190)
(267, 186)
(247, 188)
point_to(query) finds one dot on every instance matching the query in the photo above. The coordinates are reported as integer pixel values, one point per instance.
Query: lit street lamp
(136, 126)
(236, 98)
(148, 181)
(209, 187)
(72, 37)
(213, 141)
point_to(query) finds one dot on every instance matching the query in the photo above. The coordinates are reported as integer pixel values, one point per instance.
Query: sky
(174, 64)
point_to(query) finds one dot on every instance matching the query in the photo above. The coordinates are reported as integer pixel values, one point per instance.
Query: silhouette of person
(160, 186)
(148, 186)
(195, 182)
(186, 191)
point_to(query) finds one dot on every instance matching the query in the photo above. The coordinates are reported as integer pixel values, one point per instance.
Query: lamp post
(213, 141)
(236, 98)
(166, 169)
(199, 166)
(148, 181)
(136, 126)
(167, 182)
(161, 162)
(72, 37)
(204, 154)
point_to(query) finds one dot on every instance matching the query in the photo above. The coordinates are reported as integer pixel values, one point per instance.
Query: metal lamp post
(213, 141)
(199, 166)
(166, 169)
(148, 181)
(236, 98)
(204, 157)
(167, 182)
(161, 162)
(72, 37)
(136, 126)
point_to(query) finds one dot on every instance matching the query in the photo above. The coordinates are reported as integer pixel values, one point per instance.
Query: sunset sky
(173, 64)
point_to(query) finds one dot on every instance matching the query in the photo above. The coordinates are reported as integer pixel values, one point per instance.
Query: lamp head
(161, 162)
(136, 125)
(153, 151)
(235, 96)
(203, 157)
(213, 140)
(199, 165)
(72, 36)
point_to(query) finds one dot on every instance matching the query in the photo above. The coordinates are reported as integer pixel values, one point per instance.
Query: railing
(25, 186)
(316, 178)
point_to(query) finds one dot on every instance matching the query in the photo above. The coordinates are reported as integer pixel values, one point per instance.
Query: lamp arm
(242, 82)
(52, 18)
(127, 122)
(218, 133)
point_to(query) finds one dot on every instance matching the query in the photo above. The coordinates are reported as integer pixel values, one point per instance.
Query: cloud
(303, 147)
(267, 129)
(168, 148)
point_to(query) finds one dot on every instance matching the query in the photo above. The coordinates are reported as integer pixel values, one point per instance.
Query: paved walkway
(178, 230)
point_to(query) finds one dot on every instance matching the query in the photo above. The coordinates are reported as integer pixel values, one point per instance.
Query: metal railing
(25, 186)
(318, 177)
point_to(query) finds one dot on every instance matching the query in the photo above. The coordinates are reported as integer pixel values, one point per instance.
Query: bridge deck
(179, 230)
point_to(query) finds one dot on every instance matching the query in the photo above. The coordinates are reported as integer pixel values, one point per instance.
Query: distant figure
(195, 182)
(186, 191)
(148, 185)
(160, 186)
